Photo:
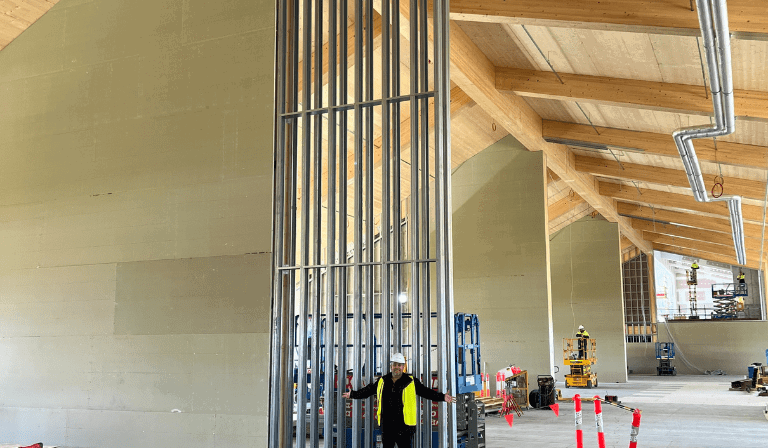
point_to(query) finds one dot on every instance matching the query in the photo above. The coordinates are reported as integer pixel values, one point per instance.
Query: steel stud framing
(362, 215)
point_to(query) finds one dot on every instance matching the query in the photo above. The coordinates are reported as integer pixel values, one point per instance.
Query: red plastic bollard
(599, 422)
(635, 429)
(577, 408)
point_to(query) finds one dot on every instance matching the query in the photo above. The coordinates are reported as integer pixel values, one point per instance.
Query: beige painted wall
(706, 345)
(135, 204)
(501, 265)
(587, 290)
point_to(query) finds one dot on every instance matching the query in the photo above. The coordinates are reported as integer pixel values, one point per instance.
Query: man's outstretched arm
(429, 394)
(365, 392)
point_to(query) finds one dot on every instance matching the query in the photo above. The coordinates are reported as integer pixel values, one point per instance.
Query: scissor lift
(665, 353)
(580, 360)
(725, 298)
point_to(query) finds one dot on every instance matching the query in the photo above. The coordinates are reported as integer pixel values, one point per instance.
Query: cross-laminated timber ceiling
(631, 133)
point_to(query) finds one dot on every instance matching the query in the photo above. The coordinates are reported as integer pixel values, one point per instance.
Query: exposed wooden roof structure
(624, 75)
(598, 87)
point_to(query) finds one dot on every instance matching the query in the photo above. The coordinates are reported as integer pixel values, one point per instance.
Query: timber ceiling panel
(750, 64)
(636, 80)
(18, 15)
(500, 44)
(631, 74)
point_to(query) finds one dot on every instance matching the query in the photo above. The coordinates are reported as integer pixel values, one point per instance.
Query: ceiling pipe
(713, 20)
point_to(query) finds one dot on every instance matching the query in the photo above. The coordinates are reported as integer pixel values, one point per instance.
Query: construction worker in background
(398, 409)
(582, 335)
(742, 286)
(694, 268)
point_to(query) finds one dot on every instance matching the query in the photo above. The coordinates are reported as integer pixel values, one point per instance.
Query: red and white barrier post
(635, 429)
(599, 422)
(577, 408)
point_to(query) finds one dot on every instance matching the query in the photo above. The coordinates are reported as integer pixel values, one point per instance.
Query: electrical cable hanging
(713, 20)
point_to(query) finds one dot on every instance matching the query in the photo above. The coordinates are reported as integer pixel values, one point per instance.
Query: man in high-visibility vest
(582, 335)
(742, 286)
(694, 269)
(398, 410)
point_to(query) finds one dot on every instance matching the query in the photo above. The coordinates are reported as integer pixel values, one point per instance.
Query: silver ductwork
(713, 20)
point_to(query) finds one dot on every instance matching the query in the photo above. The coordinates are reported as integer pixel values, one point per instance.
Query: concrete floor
(680, 411)
(685, 411)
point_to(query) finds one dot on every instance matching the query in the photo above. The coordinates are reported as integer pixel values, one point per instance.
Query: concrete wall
(135, 212)
(501, 266)
(707, 345)
(587, 290)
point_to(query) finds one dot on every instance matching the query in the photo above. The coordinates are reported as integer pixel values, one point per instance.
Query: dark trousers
(402, 439)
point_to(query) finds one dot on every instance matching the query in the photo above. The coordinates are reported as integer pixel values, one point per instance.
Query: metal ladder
(692, 300)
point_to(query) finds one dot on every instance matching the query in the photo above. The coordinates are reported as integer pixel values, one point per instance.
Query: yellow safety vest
(409, 402)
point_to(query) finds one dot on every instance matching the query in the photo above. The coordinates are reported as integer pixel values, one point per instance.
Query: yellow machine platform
(579, 355)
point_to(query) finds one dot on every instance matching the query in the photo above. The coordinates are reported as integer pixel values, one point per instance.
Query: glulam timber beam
(631, 253)
(650, 143)
(691, 233)
(674, 200)
(704, 246)
(651, 95)
(705, 255)
(570, 219)
(475, 74)
(687, 219)
(747, 19)
(350, 53)
(664, 176)
(564, 205)
(625, 243)
(459, 99)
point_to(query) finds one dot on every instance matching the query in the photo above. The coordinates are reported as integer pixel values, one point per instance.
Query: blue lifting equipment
(665, 353)
(468, 367)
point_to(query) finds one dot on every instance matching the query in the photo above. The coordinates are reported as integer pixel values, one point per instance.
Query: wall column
(587, 290)
(501, 265)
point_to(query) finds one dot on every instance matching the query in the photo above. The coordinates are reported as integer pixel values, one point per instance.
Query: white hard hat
(581, 327)
(398, 357)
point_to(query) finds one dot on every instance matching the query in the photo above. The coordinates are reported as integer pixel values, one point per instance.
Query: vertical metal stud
(443, 217)
(370, 369)
(298, 225)
(397, 342)
(331, 398)
(358, 221)
(342, 242)
(386, 224)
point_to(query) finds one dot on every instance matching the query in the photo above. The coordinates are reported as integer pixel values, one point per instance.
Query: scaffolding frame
(638, 315)
(341, 182)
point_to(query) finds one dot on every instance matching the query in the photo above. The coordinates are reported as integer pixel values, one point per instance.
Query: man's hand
(449, 399)
(345, 394)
